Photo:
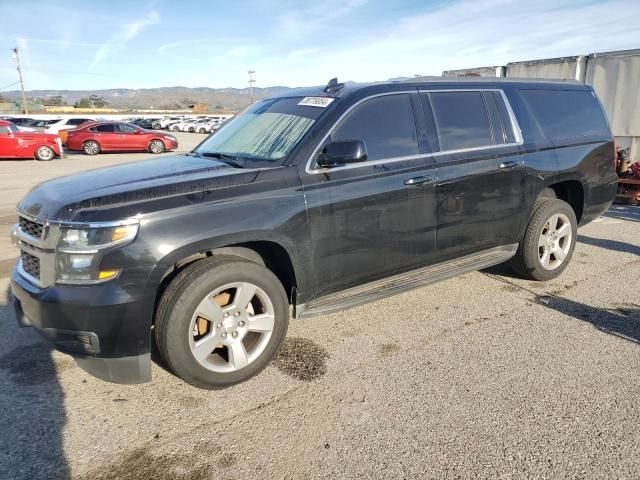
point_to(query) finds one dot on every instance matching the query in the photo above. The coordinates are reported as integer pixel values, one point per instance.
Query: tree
(83, 103)
(97, 101)
(55, 100)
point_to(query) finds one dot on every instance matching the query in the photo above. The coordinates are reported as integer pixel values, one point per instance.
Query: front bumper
(101, 326)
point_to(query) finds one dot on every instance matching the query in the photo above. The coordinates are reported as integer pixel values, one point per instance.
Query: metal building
(615, 76)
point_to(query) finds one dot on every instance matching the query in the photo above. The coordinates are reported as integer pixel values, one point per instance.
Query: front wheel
(156, 146)
(548, 244)
(202, 130)
(45, 154)
(221, 321)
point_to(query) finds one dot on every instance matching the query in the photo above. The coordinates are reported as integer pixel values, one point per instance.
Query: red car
(17, 144)
(96, 137)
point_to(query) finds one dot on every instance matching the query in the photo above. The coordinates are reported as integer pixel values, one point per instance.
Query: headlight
(80, 250)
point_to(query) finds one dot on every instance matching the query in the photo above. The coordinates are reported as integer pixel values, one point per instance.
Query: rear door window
(107, 128)
(564, 114)
(385, 124)
(461, 120)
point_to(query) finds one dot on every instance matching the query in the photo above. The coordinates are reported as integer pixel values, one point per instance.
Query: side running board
(403, 282)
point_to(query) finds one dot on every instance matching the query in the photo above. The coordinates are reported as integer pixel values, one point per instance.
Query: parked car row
(200, 124)
(88, 136)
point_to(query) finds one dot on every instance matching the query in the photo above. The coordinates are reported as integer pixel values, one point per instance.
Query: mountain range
(157, 98)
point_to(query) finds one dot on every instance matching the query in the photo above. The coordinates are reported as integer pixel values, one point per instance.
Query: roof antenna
(333, 86)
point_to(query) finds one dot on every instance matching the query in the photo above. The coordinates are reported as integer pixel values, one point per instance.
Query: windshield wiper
(228, 159)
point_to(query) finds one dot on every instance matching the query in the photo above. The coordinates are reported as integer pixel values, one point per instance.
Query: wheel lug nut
(241, 323)
(226, 314)
(219, 325)
(237, 314)
(224, 335)
(234, 334)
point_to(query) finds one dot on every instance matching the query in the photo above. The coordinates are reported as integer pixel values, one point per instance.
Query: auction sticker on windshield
(321, 102)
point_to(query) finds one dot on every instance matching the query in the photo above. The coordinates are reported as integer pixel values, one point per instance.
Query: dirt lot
(482, 376)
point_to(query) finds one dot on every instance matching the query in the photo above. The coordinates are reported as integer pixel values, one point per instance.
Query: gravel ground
(481, 376)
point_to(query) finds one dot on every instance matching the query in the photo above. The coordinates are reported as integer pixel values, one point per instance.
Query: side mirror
(341, 153)
(137, 132)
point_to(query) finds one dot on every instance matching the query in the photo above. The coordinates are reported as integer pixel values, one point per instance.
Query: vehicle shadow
(622, 321)
(31, 402)
(615, 245)
(624, 212)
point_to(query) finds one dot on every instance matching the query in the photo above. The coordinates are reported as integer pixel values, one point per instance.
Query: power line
(10, 85)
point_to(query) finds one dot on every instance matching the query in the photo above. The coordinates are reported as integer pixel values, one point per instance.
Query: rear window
(462, 120)
(565, 114)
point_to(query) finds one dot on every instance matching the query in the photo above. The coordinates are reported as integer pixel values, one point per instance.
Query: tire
(91, 148)
(156, 146)
(156, 126)
(175, 129)
(202, 130)
(549, 241)
(45, 154)
(193, 291)
(192, 130)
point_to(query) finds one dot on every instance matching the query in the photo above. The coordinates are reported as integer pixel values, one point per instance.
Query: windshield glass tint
(267, 130)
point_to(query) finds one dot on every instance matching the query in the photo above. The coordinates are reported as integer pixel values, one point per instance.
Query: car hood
(110, 193)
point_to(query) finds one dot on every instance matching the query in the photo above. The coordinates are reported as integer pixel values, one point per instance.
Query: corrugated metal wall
(566, 68)
(615, 76)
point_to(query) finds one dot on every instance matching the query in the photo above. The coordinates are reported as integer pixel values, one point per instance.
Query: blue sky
(141, 44)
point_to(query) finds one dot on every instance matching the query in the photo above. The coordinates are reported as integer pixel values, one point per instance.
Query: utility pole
(251, 82)
(16, 57)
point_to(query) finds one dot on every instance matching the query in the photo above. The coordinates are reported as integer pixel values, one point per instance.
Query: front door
(129, 138)
(480, 188)
(372, 219)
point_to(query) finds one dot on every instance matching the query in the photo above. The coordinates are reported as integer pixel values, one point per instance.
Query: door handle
(417, 180)
(508, 164)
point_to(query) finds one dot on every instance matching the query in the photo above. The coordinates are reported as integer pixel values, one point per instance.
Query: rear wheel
(91, 148)
(175, 129)
(156, 146)
(221, 321)
(202, 130)
(549, 241)
(45, 154)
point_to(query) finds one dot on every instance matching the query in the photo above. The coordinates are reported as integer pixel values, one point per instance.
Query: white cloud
(127, 32)
(464, 34)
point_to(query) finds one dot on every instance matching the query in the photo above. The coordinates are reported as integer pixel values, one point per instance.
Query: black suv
(318, 199)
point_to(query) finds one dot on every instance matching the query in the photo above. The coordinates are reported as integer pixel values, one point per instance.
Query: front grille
(32, 228)
(30, 264)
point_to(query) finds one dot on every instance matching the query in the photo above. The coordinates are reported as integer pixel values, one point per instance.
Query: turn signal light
(120, 233)
(105, 274)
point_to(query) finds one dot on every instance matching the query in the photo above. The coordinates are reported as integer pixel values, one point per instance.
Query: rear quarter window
(563, 114)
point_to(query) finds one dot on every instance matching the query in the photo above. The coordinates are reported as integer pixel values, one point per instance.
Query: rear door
(8, 143)
(480, 189)
(105, 135)
(367, 220)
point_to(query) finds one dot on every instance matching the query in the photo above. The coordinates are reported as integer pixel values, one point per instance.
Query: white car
(179, 127)
(196, 126)
(66, 124)
(208, 127)
(166, 121)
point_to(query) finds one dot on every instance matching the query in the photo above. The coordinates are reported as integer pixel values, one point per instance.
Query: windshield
(267, 130)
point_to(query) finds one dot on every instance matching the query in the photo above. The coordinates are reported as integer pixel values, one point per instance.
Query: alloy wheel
(231, 327)
(555, 241)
